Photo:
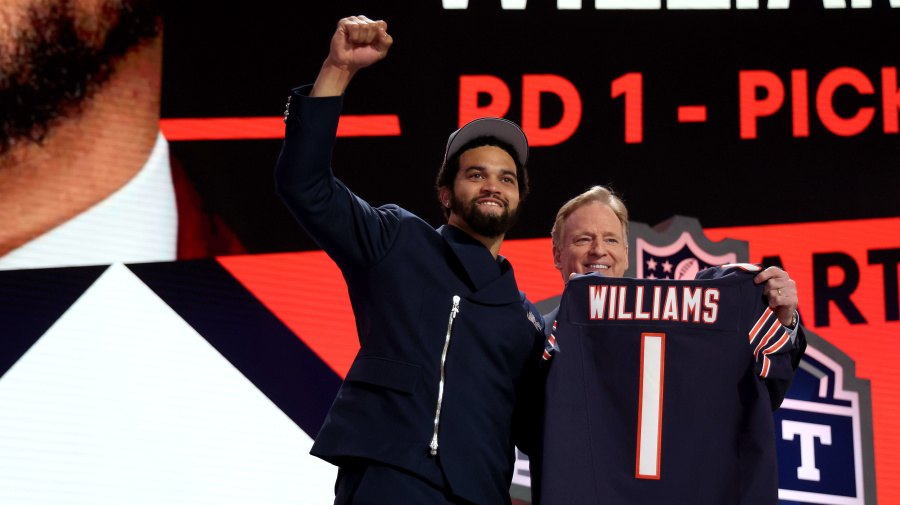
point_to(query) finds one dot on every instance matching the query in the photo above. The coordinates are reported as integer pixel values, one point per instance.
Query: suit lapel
(493, 280)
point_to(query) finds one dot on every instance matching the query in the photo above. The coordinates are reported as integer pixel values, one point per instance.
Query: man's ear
(446, 196)
(626, 256)
(556, 258)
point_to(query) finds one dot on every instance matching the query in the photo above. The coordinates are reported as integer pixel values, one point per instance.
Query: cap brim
(503, 129)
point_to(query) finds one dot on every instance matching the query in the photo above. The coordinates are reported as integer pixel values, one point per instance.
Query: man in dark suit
(590, 234)
(436, 398)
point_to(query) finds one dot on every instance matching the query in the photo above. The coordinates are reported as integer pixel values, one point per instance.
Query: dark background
(242, 61)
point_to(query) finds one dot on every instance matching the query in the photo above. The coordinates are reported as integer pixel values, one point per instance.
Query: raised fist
(358, 42)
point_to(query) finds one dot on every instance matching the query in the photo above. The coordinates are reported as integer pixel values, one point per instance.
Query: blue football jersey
(656, 392)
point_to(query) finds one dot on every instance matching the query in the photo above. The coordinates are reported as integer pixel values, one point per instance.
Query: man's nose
(490, 186)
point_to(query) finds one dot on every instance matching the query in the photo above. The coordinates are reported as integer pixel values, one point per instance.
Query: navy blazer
(402, 276)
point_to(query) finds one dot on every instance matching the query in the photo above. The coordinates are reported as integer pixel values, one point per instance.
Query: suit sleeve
(351, 231)
(527, 418)
(799, 348)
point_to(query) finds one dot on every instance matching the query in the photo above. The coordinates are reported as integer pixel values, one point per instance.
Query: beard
(60, 57)
(482, 223)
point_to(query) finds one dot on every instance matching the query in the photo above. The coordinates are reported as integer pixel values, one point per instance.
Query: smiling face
(593, 241)
(485, 193)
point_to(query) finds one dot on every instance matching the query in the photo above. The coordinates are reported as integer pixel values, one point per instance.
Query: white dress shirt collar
(137, 223)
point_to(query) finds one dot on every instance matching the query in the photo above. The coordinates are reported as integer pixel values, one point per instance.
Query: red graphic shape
(890, 99)
(532, 88)
(751, 107)
(306, 291)
(632, 86)
(844, 76)
(470, 86)
(532, 261)
(241, 128)
(800, 102)
(692, 114)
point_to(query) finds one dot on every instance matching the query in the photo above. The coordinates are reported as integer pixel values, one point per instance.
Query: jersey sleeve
(774, 354)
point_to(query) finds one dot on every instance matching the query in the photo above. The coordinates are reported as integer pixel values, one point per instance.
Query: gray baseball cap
(503, 129)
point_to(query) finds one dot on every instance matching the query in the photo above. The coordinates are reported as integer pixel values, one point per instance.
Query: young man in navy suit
(440, 390)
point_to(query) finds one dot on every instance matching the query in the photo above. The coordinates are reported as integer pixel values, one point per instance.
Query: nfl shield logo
(678, 249)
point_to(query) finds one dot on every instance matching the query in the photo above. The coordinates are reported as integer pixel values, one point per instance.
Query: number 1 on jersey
(653, 353)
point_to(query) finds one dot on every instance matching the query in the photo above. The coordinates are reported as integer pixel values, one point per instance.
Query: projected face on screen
(56, 55)
(85, 175)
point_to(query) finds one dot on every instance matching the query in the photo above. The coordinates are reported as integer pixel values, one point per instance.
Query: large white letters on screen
(808, 432)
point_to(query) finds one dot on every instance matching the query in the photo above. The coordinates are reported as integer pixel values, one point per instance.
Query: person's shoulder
(408, 226)
(532, 313)
(404, 216)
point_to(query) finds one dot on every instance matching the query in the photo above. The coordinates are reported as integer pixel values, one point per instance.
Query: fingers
(361, 30)
(357, 43)
(770, 273)
(781, 292)
(386, 39)
(777, 282)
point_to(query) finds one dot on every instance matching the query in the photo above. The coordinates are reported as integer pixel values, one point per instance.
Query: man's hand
(357, 43)
(781, 292)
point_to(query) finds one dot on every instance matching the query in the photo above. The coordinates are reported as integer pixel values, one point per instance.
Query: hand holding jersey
(717, 355)
(781, 292)
(656, 397)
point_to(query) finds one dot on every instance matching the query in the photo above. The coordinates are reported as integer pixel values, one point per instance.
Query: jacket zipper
(437, 413)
